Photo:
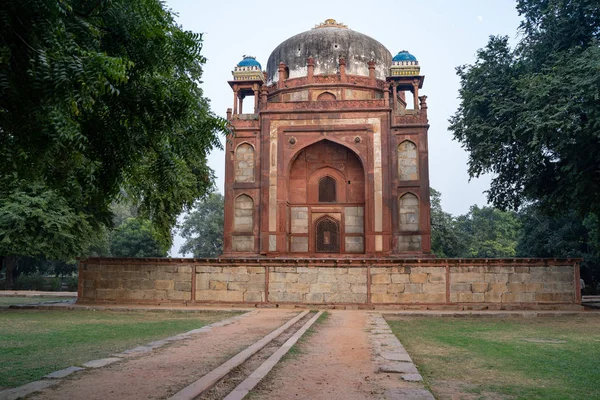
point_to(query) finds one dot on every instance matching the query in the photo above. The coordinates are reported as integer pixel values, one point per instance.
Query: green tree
(567, 235)
(491, 233)
(202, 228)
(40, 222)
(531, 115)
(446, 239)
(136, 237)
(98, 101)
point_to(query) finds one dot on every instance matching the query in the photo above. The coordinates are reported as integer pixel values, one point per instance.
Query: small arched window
(327, 190)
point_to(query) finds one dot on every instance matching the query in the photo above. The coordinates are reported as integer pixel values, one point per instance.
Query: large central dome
(326, 43)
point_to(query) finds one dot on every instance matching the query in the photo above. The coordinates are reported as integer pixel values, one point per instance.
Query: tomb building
(328, 154)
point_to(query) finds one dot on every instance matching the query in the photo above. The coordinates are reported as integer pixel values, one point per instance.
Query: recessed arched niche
(244, 163)
(408, 208)
(326, 96)
(408, 162)
(243, 214)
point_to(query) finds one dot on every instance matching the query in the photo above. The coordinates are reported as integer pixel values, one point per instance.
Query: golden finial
(331, 23)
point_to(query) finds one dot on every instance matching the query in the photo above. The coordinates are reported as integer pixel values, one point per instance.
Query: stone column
(310, 66)
(255, 89)
(423, 105)
(263, 96)
(281, 72)
(416, 94)
(372, 72)
(386, 94)
(342, 62)
(395, 96)
(235, 99)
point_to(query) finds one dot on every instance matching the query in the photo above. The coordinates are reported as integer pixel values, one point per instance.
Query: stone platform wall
(366, 283)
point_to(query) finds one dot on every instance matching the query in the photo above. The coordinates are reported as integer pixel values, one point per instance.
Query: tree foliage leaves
(136, 237)
(484, 232)
(531, 115)
(202, 228)
(99, 101)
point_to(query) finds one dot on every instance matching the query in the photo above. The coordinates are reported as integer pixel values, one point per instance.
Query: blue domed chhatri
(248, 70)
(249, 61)
(404, 56)
(405, 64)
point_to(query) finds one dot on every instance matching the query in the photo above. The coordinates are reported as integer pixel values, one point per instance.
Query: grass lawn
(34, 343)
(9, 300)
(473, 358)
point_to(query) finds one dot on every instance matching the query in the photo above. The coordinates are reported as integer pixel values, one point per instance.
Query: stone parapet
(364, 282)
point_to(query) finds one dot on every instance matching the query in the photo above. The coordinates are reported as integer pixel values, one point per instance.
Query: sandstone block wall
(370, 283)
(230, 284)
(317, 285)
(135, 282)
(507, 284)
(409, 284)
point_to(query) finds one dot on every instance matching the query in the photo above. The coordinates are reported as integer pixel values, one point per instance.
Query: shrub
(37, 282)
(71, 283)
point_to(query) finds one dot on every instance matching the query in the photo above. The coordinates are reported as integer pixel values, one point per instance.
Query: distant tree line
(488, 232)
(132, 236)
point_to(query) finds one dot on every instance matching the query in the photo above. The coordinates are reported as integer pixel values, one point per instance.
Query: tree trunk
(10, 262)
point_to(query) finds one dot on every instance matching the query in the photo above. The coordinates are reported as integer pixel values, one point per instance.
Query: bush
(37, 282)
(71, 283)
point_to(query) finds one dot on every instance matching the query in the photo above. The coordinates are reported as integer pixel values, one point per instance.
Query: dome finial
(331, 23)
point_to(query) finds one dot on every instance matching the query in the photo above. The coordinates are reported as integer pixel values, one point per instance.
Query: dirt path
(335, 362)
(166, 370)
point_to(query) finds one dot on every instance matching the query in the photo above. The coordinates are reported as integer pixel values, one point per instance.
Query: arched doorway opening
(326, 200)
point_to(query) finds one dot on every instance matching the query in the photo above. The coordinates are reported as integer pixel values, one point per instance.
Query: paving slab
(408, 394)
(61, 373)
(101, 362)
(392, 357)
(381, 331)
(25, 390)
(396, 355)
(412, 377)
(398, 367)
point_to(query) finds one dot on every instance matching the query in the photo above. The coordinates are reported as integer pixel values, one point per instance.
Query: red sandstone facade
(330, 160)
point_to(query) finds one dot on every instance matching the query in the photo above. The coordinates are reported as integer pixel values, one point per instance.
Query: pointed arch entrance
(326, 200)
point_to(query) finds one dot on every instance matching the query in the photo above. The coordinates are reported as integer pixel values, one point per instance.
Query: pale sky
(441, 34)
